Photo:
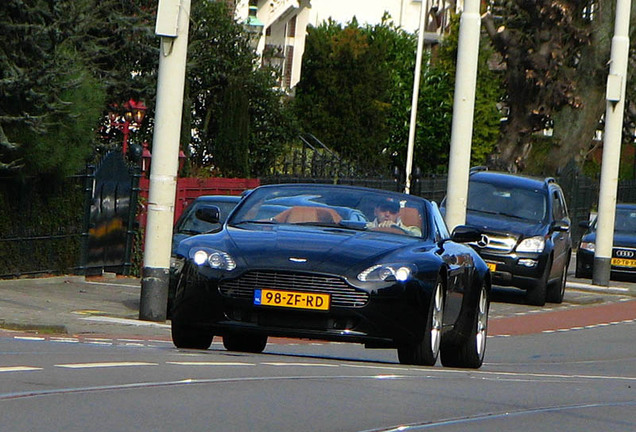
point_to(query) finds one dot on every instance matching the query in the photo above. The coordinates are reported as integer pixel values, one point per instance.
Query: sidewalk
(75, 305)
(109, 305)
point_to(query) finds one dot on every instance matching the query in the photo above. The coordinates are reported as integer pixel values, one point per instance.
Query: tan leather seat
(300, 214)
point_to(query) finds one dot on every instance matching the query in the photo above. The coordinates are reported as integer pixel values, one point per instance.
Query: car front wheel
(556, 291)
(425, 352)
(190, 337)
(536, 295)
(243, 342)
(470, 352)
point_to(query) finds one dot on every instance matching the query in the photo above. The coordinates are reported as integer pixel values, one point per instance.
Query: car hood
(504, 225)
(620, 239)
(286, 247)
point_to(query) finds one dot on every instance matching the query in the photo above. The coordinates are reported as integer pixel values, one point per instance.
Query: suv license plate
(291, 299)
(492, 266)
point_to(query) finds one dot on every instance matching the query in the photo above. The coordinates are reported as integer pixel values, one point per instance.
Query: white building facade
(279, 26)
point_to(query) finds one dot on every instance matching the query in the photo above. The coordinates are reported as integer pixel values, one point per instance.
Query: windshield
(357, 209)
(625, 221)
(516, 203)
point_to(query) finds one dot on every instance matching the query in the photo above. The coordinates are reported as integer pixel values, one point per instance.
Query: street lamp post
(130, 115)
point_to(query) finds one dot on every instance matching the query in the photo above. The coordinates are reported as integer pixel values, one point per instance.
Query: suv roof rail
(478, 168)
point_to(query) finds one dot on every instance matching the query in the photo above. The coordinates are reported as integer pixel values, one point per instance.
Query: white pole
(172, 25)
(615, 105)
(463, 112)
(416, 92)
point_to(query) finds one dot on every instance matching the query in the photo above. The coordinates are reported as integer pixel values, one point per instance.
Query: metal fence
(41, 226)
(581, 192)
(43, 241)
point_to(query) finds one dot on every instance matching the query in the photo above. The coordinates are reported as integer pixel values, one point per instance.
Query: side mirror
(465, 234)
(210, 213)
(561, 225)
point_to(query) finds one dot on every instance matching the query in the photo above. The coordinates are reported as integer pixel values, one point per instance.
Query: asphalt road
(569, 367)
(579, 380)
(566, 367)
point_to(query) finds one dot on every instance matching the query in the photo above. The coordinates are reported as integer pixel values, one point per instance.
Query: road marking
(300, 364)
(64, 339)
(184, 363)
(103, 365)
(132, 322)
(29, 338)
(18, 368)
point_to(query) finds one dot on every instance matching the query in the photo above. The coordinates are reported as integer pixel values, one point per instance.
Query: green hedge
(41, 224)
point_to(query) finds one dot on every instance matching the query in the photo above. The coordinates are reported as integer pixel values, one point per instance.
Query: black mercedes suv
(526, 237)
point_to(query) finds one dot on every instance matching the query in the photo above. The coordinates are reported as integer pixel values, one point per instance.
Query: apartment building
(279, 26)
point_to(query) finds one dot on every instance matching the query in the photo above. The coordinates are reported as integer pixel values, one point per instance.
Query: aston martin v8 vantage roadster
(336, 263)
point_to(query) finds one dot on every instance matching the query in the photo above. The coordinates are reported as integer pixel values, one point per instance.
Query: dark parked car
(307, 272)
(526, 238)
(188, 225)
(623, 261)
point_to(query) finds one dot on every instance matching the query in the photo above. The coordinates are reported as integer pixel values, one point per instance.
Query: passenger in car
(387, 215)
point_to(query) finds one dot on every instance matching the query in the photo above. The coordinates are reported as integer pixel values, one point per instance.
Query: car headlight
(588, 246)
(214, 258)
(387, 272)
(532, 244)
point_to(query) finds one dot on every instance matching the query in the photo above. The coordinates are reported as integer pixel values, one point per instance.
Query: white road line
(184, 363)
(300, 364)
(133, 322)
(18, 368)
(64, 339)
(111, 284)
(377, 367)
(103, 365)
(29, 338)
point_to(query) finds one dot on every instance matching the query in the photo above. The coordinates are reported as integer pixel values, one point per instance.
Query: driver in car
(387, 215)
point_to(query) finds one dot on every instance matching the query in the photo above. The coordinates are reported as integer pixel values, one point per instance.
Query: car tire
(426, 351)
(580, 273)
(190, 337)
(556, 291)
(470, 352)
(242, 342)
(536, 295)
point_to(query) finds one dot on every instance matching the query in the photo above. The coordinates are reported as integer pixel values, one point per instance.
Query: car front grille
(341, 293)
(624, 252)
(496, 243)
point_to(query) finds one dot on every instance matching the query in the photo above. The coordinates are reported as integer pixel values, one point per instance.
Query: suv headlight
(588, 246)
(387, 272)
(532, 244)
(214, 258)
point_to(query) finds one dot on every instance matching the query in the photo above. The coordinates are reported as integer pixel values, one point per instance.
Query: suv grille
(496, 243)
(341, 293)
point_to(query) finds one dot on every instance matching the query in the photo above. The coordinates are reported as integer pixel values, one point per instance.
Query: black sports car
(335, 263)
(623, 260)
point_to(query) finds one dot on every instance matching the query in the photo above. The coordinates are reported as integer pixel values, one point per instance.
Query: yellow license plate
(291, 299)
(492, 266)
(623, 262)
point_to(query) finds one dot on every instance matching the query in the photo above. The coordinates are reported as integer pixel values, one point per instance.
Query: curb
(601, 289)
(46, 280)
(34, 328)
